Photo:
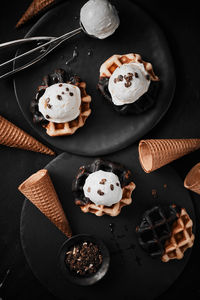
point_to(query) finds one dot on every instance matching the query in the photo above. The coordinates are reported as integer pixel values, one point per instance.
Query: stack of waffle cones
(192, 180)
(13, 136)
(39, 189)
(35, 7)
(154, 154)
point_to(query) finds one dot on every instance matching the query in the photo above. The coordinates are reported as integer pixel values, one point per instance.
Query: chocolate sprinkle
(112, 187)
(59, 97)
(103, 180)
(100, 192)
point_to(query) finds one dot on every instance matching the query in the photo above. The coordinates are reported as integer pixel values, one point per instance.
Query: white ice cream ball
(103, 188)
(99, 18)
(60, 103)
(128, 91)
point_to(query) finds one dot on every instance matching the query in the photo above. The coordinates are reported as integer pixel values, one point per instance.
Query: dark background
(181, 24)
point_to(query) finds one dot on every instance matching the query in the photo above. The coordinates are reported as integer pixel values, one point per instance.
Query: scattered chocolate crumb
(49, 105)
(47, 116)
(89, 189)
(136, 75)
(112, 187)
(117, 184)
(100, 192)
(67, 89)
(59, 97)
(127, 84)
(60, 84)
(154, 193)
(103, 180)
(71, 94)
(84, 259)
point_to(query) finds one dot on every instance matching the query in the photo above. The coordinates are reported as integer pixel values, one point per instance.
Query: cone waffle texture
(154, 154)
(35, 7)
(13, 136)
(115, 209)
(69, 128)
(109, 66)
(192, 180)
(39, 189)
(181, 239)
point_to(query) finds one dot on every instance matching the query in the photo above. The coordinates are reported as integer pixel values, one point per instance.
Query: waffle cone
(192, 180)
(13, 136)
(39, 189)
(34, 8)
(154, 154)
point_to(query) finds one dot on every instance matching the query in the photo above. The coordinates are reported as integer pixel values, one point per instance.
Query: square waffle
(181, 238)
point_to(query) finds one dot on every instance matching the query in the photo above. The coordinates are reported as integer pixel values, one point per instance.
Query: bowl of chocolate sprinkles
(84, 259)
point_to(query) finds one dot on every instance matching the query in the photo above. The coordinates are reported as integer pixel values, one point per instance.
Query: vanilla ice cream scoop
(99, 18)
(103, 188)
(60, 103)
(128, 83)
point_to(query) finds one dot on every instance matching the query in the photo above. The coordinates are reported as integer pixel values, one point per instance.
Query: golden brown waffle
(34, 8)
(68, 128)
(181, 239)
(154, 154)
(13, 136)
(115, 209)
(115, 61)
(39, 189)
(192, 180)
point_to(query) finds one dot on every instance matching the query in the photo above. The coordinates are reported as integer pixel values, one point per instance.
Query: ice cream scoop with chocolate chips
(128, 83)
(103, 188)
(60, 103)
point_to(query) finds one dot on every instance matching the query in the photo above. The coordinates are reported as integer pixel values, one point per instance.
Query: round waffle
(146, 101)
(85, 204)
(67, 128)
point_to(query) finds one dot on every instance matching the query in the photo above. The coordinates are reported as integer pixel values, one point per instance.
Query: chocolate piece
(49, 106)
(127, 84)
(67, 89)
(71, 94)
(112, 187)
(102, 181)
(136, 75)
(59, 97)
(117, 184)
(60, 84)
(47, 116)
(89, 189)
(120, 78)
(100, 192)
(84, 259)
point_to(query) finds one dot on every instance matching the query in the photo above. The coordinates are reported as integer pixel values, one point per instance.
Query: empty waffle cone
(192, 180)
(35, 7)
(13, 136)
(154, 154)
(39, 189)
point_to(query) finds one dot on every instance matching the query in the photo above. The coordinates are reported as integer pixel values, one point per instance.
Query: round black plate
(132, 273)
(105, 130)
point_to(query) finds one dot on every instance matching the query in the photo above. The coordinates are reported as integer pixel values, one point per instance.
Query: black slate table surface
(180, 23)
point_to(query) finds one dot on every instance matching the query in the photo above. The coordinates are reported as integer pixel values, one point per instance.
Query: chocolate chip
(115, 80)
(103, 180)
(127, 84)
(59, 97)
(120, 78)
(112, 187)
(147, 77)
(117, 184)
(62, 93)
(49, 106)
(136, 75)
(100, 192)
(89, 189)
(47, 116)
(60, 84)
(47, 100)
(67, 89)
(130, 74)
(71, 94)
